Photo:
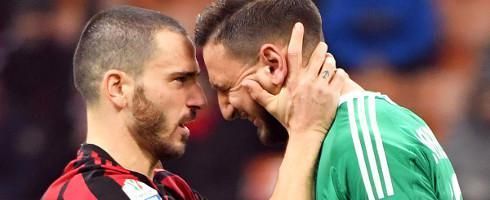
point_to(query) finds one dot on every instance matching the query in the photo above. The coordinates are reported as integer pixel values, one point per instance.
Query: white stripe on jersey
(379, 146)
(369, 147)
(358, 149)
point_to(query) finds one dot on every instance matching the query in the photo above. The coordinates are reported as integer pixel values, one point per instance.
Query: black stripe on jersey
(142, 178)
(145, 180)
(164, 191)
(170, 194)
(103, 187)
(63, 188)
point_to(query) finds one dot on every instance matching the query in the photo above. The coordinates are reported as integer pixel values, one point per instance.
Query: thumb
(257, 93)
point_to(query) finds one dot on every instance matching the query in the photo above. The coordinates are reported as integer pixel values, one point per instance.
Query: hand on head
(309, 101)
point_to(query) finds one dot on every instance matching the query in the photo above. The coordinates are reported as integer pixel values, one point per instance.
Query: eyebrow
(186, 73)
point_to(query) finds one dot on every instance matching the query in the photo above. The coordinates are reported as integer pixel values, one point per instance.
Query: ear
(271, 56)
(117, 87)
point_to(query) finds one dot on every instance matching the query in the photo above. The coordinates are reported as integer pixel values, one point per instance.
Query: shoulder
(370, 131)
(101, 184)
(367, 121)
(80, 187)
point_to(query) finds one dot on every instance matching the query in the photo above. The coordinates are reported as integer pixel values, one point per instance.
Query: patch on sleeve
(139, 191)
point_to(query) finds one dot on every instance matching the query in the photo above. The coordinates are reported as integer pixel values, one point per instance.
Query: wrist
(305, 144)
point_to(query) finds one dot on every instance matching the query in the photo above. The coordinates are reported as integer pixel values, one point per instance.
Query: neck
(110, 134)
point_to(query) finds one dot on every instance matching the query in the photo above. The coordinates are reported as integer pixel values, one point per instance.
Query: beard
(272, 132)
(149, 121)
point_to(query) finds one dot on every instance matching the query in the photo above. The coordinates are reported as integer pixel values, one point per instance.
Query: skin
(148, 113)
(234, 101)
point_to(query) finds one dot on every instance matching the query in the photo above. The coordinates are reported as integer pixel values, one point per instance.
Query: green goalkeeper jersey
(376, 149)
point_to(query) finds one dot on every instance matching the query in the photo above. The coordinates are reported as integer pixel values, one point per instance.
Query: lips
(185, 133)
(256, 121)
(184, 124)
(186, 120)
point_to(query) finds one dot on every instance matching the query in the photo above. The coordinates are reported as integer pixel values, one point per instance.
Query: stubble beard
(149, 121)
(272, 132)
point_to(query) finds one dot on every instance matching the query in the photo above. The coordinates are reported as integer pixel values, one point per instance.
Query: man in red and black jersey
(136, 70)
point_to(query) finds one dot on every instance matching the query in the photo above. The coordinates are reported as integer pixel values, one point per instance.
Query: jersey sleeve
(437, 165)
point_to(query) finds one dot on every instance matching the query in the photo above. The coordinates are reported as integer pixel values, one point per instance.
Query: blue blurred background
(430, 56)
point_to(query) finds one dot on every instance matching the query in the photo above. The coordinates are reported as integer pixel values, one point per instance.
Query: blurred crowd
(432, 57)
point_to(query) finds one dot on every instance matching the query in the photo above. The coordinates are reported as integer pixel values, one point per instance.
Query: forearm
(296, 173)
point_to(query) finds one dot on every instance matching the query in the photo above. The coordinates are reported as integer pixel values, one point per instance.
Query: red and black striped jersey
(94, 174)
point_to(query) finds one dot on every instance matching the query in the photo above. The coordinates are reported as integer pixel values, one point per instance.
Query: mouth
(186, 120)
(184, 131)
(256, 121)
(245, 116)
(184, 124)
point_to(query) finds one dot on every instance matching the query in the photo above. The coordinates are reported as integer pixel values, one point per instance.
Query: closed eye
(182, 79)
(219, 88)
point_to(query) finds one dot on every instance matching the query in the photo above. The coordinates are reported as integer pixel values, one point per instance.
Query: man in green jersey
(375, 148)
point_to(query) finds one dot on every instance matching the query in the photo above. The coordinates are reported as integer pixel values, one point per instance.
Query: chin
(179, 153)
(170, 155)
(168, 151)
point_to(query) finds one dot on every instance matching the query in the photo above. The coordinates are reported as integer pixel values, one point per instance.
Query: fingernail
(298, 25)
(326, 46)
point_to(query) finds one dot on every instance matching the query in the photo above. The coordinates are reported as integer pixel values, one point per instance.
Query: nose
(227, 110)
(197, 99)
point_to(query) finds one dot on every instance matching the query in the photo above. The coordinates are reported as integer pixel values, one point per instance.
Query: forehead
(222, 68)
(174, 51)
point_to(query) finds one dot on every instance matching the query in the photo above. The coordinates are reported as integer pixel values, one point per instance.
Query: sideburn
(148, 120)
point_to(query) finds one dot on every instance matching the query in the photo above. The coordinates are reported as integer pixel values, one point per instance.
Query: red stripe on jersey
(109, 163)
(78, 189)
(96, 158)
(56, 186)
(177, 184)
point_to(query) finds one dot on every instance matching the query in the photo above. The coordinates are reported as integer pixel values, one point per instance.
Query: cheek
(170, 103)
(242, 101)
(170, 107)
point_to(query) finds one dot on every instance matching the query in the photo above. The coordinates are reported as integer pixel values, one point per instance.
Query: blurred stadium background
(430, 56)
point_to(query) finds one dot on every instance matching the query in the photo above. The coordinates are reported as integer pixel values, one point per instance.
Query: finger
(257, 93)
(317, 59)
(339, 79)
(328, 68)
(295, 48)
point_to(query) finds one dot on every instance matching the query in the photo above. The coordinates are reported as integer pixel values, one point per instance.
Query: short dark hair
(119, 38)
(243, 26)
